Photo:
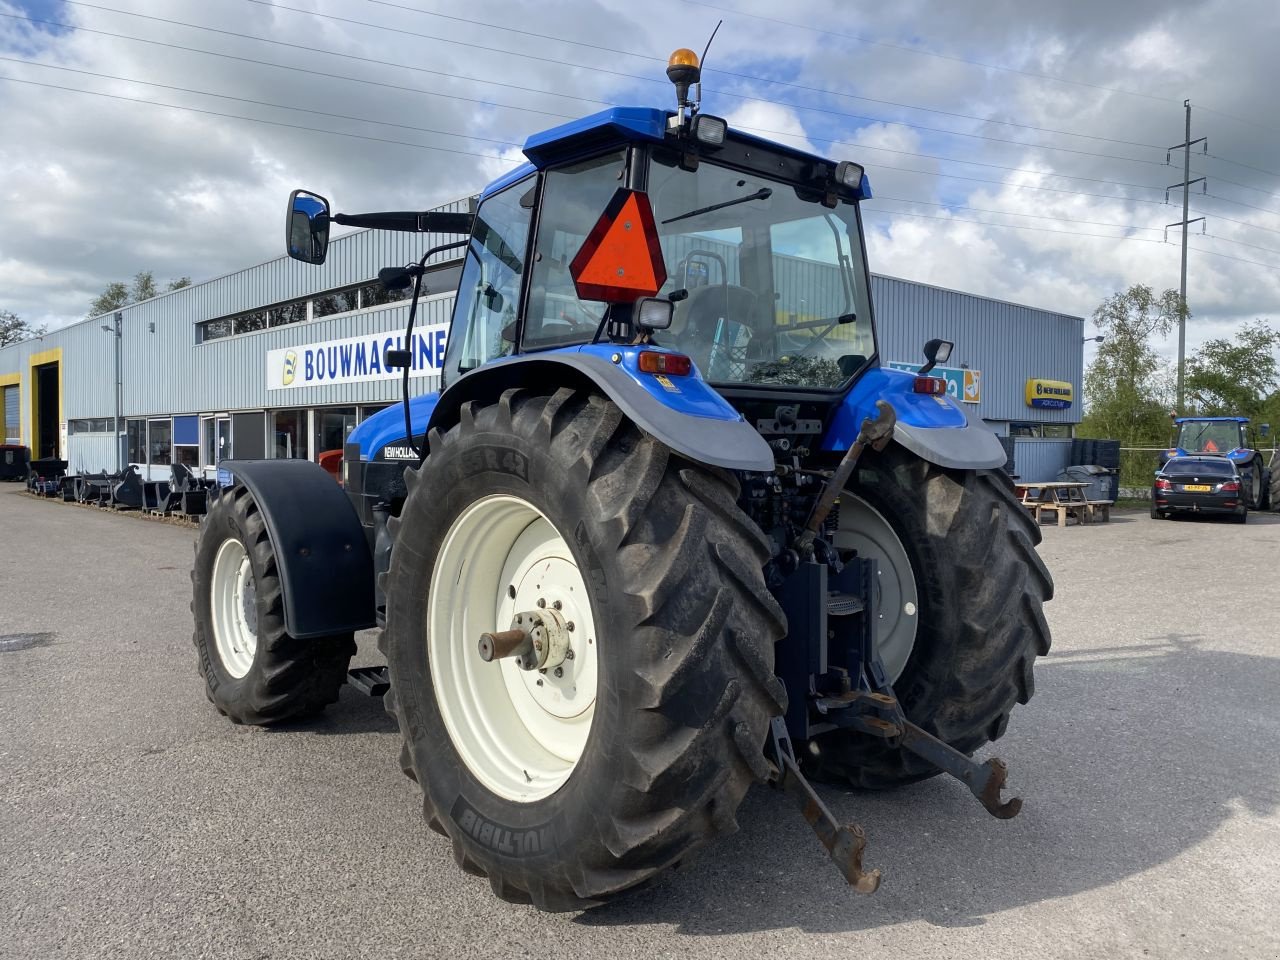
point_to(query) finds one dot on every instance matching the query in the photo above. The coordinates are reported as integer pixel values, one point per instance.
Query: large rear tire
(646, 547)
(253, 670)
(979, 623)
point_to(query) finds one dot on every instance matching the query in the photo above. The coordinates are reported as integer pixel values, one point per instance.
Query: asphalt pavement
(136, 822)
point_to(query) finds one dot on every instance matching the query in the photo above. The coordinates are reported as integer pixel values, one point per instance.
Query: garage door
(11, 428)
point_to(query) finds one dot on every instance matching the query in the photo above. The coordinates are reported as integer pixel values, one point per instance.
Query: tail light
(676, 364)
(1163, 484)
(1231, 486)
(935, 386)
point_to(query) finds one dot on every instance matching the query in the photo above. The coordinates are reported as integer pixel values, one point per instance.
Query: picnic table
(1063, 498)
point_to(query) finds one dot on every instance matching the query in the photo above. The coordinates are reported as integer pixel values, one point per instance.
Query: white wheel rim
(863, 528)
(233, 602)
(521, 733)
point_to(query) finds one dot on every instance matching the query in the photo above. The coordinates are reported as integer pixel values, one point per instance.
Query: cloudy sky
(1017, 149)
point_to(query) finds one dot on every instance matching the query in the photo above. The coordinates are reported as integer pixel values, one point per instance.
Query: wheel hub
(518, 704)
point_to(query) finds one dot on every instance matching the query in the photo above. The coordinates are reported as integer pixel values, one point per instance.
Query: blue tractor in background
(1230, 437)
(668, 528)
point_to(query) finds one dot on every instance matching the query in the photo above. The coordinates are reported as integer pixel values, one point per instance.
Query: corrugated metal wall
(1040, 460)
(1007, 342)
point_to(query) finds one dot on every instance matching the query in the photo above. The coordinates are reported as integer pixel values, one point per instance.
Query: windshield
(1205, 467)
(1214, 436)
(769, 288)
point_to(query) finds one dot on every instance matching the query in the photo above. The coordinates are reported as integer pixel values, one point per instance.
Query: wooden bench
(1100, 509)
(1062, 511)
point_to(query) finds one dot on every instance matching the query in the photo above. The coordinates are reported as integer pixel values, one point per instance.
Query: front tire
(979, 624)
(253, 670)
(682, 651)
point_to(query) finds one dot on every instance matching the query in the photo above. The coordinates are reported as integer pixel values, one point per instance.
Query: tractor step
(843, 604)
(369, 680)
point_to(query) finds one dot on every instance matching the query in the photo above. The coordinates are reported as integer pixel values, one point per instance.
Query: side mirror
(653, 313)
(936, 351)
(307, 227)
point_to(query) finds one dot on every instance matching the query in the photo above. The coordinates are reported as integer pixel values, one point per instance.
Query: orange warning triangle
(621, 259)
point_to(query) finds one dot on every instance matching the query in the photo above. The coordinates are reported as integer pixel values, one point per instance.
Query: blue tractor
(1230, 437)
(668, 528)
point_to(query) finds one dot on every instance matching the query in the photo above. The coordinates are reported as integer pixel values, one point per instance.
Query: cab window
(574, 198)
(484, 315)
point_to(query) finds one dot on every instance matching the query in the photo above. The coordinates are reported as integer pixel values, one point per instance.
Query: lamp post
(1097, 339)
(118, 329)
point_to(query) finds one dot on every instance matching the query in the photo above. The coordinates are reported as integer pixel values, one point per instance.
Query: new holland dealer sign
(355, 359)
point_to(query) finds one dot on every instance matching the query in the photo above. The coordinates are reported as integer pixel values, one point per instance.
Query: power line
(491, 103)
(553, 60)
(1010, 213)
(721, 71)
(273, 123)
(320, 73)
(1243, 223)
(1237, 163)
(932, 53)
(1242, 243)
(1007, 226)
(1241, 203)
(1271, 192)
(1227, 256)
(647, 79)
(262, 103)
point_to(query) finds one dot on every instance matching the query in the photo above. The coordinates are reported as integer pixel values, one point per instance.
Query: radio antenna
(703, 62)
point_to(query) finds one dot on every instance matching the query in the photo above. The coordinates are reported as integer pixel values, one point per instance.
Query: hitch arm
(875, 434)
(844, 843)
(984, 780)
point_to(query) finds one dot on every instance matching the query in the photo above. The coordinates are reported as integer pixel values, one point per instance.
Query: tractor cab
(631, 226)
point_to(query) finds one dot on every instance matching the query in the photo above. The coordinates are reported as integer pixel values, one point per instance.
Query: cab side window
(484, 314)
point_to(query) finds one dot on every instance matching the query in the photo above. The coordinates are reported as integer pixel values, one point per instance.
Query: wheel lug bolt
(568, 654)
(541, 602)
(559, 671)
(569, 626)
(556, 605)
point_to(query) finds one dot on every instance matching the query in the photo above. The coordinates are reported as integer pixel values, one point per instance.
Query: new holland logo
(290, 367)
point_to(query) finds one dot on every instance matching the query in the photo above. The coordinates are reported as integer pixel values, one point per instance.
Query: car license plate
(1197, 488)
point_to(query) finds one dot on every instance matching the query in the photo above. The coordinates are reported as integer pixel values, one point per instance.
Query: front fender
(936, 429)
(322, 556)
(682, 413)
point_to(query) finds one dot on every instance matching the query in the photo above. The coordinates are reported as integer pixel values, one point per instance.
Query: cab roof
(1181, 420)
(613, 126)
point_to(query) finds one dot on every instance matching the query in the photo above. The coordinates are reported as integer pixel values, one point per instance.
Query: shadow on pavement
(1127, 758)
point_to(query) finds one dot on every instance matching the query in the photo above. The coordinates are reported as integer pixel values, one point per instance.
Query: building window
(136, 431)
(369, 409)
(338, 301)
(289, 435)
(96, 425)
(160, 442)
(1040, 430)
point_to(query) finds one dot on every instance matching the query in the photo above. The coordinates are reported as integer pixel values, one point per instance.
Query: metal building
(283, 359)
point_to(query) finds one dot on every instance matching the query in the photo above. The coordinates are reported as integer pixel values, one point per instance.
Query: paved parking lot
(134, 821)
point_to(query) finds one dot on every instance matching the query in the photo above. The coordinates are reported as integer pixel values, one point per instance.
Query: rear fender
(322, 555)
(682, 413)
(936, 429)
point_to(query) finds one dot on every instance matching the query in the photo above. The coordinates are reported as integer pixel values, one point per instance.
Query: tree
(118, 295)
(13, 329)
(1235, 377)
(1127, 386)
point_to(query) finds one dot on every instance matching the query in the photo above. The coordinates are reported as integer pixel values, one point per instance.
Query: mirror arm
(408, 221)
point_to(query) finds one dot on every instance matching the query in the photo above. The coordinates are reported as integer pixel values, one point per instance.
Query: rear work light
(934, 386)
(1163, 485)
(676, 364)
